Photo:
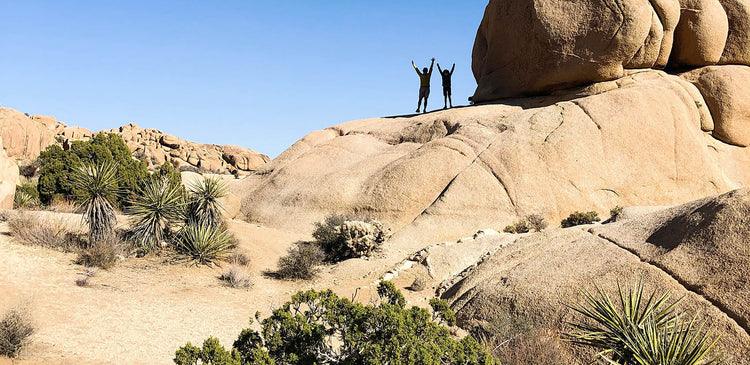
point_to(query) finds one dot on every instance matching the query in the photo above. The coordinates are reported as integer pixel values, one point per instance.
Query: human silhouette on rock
(447, 85)
(424, 86)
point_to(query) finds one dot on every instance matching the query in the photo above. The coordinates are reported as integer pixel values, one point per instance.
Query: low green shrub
(301, 262)
(615, 212)
(579, 218)
(518, 227)
(322, 328)
(203, 244)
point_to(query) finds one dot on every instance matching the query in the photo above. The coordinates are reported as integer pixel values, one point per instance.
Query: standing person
(424, 86)
(447, 85)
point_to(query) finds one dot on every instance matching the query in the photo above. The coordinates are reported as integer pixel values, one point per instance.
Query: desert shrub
(157, 208)
(203, 244)
(15, 329)
(97, 187)
(56, 166)
(235, 277)
(640, 329)
(419, 283)
(82, 281)
(203, 205)
(28, 229)
(103, 253)
(27, 171)
(342, 236)
(301, 262)
(579, 218)
(168, 172)
(322, 328)
(615, 212)
(518, 227)
(239, 258)
(26, 196)
(531, 348)
(61, 205)
(536, 222)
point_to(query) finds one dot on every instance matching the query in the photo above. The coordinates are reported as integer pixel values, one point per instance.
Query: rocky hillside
(25, 136)
(698, 251)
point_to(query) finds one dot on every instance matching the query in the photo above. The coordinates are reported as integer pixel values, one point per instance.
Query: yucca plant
(158, 206)
(24, 200)
(639, 329)
(98, 188)
(204, 207)
(203, 243)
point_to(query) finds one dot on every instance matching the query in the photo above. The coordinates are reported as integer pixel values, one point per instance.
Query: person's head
(446, 72)
(424, 70)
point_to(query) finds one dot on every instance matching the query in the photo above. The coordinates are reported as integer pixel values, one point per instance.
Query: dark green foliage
(639, 330)
(301, 262)
(204, 244)
(579, 218)
(97, 191)
(387, 292)
(326, 234)
(212, 353)
(157, 208)
(167, 171)
(441, 309)
(56, 166)
(321, 328)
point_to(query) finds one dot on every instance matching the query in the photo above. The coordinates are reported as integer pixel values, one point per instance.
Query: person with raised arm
(424, 86)
(447, 85)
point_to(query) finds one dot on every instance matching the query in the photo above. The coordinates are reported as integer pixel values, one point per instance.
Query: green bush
(579, 218)
(204, 244)
(343, 236)
(536, 222)
(639, 330)
(301, 262)
(27, 196)
(158, 207)
(518, 227)
(615, 212)
(56, 166)
(322, 328)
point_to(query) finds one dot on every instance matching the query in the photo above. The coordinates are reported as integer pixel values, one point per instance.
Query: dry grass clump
(536, 348)
(536, 222)
(15, 329)
(103, 253)
(82, 281)
(236, 277)
(419, 284)
(61, 205)
(87, 273)
(301, 262)
(239, 258)
(30, 230)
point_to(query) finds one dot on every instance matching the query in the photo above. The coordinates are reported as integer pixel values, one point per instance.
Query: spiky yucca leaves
(204, 207)
(98, 188)
(204, 243)
(158, 206)
(642, 330)
(24, 200)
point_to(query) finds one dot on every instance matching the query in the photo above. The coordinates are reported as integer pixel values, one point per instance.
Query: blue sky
(259, 74)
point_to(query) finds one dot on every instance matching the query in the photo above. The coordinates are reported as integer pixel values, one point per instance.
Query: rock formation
(8, 179)
(698, 251)
(27, 136)
(639, 140)
(531, 47)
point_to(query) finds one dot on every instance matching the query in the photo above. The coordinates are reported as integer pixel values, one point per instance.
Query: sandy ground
(142, 310)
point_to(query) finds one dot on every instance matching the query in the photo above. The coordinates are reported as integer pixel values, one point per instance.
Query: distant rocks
(26, 136)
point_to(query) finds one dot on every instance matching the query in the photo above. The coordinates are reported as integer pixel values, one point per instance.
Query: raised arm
(453, 68)
(432, 64)
(440, 69)
(415, 67)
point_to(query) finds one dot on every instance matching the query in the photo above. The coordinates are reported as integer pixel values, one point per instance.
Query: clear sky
(259, 74)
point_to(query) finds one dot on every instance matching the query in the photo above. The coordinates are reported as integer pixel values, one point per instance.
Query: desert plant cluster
(323, 328)
(531, 222)
(579, 218)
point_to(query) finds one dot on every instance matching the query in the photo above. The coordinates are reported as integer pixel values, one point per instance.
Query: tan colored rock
(169, 141)
(737, 49)
(46, 120)
(210, 164)
(231, 206)
(700, 35)
(243, 158)
(23, 137)
(638, 144)
(727, 96)
(8, 178)
(76, 133)
(555, 44)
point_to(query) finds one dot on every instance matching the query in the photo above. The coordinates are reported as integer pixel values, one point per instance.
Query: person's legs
(426, 95)
(445, 98)
(450, 100)
(419, 104)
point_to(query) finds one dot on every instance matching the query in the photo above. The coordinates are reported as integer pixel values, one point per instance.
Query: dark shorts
(424, 92)
(447, 90)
